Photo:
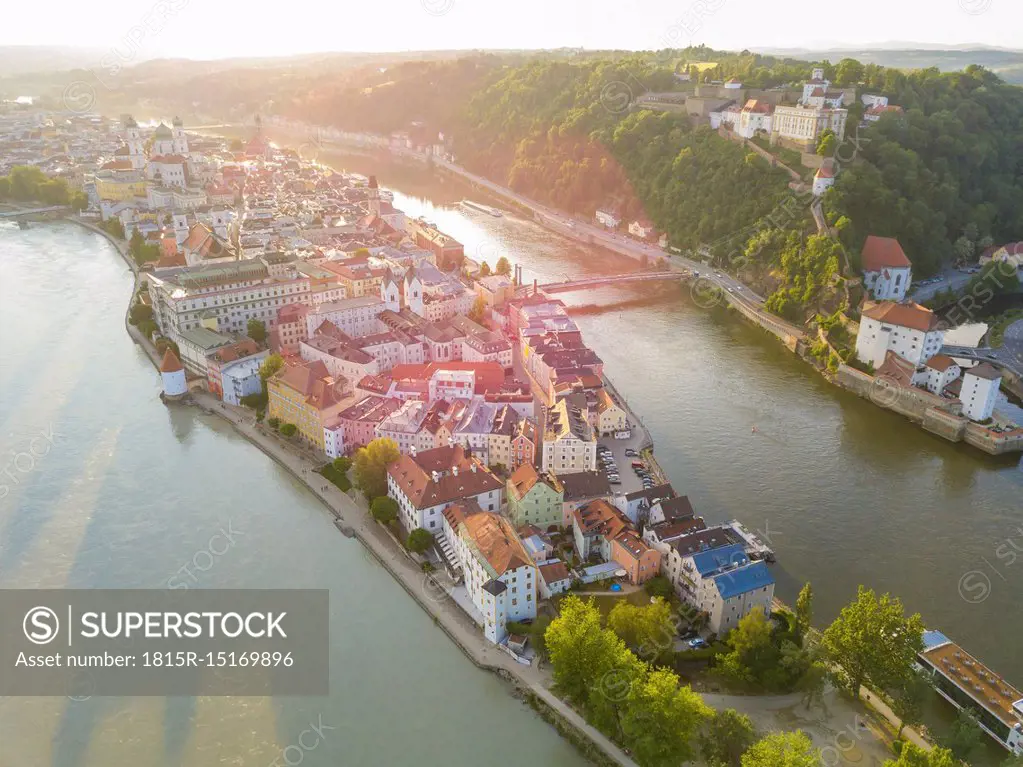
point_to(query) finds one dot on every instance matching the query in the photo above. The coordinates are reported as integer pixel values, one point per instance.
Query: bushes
(419, 540)
(288, 429)
(337, 478)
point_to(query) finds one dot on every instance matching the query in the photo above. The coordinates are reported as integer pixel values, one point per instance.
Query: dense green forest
(946, 178)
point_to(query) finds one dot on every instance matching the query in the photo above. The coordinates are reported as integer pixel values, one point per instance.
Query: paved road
(950, 278)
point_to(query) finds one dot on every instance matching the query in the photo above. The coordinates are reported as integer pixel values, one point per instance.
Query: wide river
(123, 492)
(131, 492)
(847, 493)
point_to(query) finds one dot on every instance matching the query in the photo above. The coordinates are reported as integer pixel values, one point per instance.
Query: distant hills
(1006, 63)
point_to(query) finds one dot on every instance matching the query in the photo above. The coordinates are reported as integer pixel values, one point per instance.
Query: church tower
(374, 196)
(173, 375)
(136, 146)
(180, 139)
(389, 292)
(414, 292)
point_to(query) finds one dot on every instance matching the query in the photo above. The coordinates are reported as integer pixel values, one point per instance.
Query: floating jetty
(481, 208)
(755, 548)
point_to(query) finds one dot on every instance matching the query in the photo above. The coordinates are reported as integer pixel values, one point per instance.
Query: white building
(240, 379)
(403, 425)
(355, 317)
(823, 180)
(722, 582)
(909, 330)
(569, 443)
(980, 391)
(887, 272)
(871, 100)
(805, 124)
(937, 373)
(608, 217)
(756, 117)
(429, 482)
(497, 572)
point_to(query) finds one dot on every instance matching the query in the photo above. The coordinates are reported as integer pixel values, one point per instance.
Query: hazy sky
(221, 28)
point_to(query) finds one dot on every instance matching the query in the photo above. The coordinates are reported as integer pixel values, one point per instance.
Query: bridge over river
(601, 281)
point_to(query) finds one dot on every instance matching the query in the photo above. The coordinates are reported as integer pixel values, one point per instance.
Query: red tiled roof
(171, 363)
(905, 315)
(881, 252)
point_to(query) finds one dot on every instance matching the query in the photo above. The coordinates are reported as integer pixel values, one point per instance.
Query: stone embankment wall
(936, 415)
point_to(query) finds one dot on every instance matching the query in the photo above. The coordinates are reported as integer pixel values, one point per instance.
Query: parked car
(631, 453)
(697, 643)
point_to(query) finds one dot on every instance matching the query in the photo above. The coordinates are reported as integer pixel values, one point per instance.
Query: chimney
(535, 288)
(472, 466)
(436, 476)
(454, 471)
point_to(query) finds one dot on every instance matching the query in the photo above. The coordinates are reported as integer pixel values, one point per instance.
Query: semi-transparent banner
(82, 643)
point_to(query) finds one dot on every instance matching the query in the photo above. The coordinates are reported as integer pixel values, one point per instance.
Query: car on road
(614, 481)
(630, 452)
(697, 643)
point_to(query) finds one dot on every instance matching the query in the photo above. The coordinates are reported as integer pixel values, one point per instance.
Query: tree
(912, 755)
(661, 719)
(419, 540)
(288, 429)
(371, 464)
(659, 586)
(79, 201)
(782, 749)
(964, 738)
(273, 422)
(270, 366)
(503, 266)
(478, 310)
(647, 630)
(342, 464)
(753, 651)
(848, 72)
(384, 510)
(579, 648)
(827, 144)
(257, 331)
(873, 641)
(804, 609)
(1013, 761)
(908, 700)
(726, 737)
(485, 269)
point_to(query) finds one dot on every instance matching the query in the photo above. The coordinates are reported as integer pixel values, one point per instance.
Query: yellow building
(306, 395)
(122, 186)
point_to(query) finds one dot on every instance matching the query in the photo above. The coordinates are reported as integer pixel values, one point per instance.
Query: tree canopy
(873, 641)
(782, 749)
(371, 464)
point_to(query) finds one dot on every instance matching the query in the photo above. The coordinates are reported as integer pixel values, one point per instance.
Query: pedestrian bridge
(604, 280)
(33, 211)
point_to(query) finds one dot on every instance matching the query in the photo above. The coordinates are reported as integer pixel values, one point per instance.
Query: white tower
(374, 196)
(180, 139)
(390, 293)
(414, 292)
(136, 147)
(173, 375)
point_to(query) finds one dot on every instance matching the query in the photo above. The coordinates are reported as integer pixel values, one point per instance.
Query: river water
(845, 492)
(122, 492)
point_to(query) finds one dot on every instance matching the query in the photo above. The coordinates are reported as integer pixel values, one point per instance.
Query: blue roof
(714, 559)
(934, 638)
(743, 579)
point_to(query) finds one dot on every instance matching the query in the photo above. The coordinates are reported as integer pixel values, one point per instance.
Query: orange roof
(883, 252)
(497, 542)
(171, 363)
(940, 362)
(824, 172)
(312, 380)
(905, 315)
(414, 478)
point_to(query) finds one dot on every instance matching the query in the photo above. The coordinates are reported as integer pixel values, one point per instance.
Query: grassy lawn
(340, 480)
(605, 602)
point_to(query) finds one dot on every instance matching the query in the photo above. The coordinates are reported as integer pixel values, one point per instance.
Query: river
(123, 492)
(846, 493)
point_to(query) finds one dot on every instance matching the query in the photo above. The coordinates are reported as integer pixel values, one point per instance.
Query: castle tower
(173, 375)
(374, 196)
(163, 140)
(180, 139)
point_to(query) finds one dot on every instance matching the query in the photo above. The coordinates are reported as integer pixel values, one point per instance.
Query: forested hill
(566, 128)
(947, 179)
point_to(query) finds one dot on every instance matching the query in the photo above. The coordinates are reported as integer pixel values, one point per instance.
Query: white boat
(481, 208)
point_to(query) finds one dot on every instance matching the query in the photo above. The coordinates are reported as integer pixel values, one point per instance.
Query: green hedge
(337, 478)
